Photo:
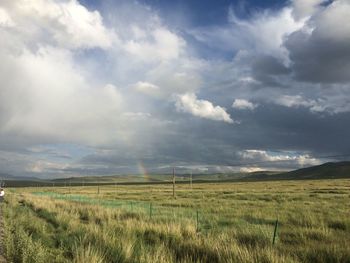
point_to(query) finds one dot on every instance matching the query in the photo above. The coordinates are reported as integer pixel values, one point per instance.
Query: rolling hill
(324, 171)
(331, 170)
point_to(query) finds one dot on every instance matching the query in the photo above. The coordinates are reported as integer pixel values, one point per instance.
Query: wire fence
(204, 221)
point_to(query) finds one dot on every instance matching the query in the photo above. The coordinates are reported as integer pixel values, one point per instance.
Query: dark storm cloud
(268, 70)
(268, 65)
(272, 128)
(319, 60)
(323, 55)
(300, 130)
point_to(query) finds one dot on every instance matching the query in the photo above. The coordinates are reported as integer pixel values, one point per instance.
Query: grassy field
(221, 222)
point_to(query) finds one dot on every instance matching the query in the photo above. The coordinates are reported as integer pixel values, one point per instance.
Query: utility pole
(98, 186)
(174, 182)
(191, 180)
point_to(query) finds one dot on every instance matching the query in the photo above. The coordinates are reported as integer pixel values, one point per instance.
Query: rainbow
(142, 170)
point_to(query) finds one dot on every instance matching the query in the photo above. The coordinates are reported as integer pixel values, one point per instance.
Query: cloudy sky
(113, 87)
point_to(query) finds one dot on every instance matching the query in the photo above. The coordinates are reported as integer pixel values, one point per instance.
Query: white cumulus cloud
(202, 108)
(242, 104)
(146, 88)
(296, 101)
(264, 33)
(159, 44)
(283, 158)
(64, 23)
(302, 8)
(5, 19)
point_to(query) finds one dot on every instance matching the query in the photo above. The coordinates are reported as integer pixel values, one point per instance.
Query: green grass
(143, 223)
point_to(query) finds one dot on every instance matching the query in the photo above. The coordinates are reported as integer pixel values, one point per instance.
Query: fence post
(197, 224)
(150, 210)
(275, 232)
(191, 180)
(173, 182)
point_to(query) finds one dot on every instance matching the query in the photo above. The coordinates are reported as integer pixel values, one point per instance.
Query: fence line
(203, 221)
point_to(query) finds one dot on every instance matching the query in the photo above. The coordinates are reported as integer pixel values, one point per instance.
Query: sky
(125, 87)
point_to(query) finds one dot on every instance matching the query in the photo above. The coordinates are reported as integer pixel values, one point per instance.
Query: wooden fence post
(150, 210)
(275, 232)
(191, 180)
(174, 182)
(197, 220)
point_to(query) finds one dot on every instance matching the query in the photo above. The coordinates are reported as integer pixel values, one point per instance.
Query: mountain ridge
(329, 170)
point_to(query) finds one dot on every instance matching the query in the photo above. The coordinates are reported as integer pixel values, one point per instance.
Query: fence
(204, 221)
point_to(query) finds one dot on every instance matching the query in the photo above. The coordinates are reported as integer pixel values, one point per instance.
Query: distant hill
(9, 180)
(324, 171)
(6, 176)
(109, 179)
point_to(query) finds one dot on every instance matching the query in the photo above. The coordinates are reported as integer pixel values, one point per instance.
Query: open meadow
(212, 222)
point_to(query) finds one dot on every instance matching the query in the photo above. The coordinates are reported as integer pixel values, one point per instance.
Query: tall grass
(236, 224)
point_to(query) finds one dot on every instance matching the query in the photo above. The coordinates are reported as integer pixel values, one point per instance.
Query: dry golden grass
(236, 223)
